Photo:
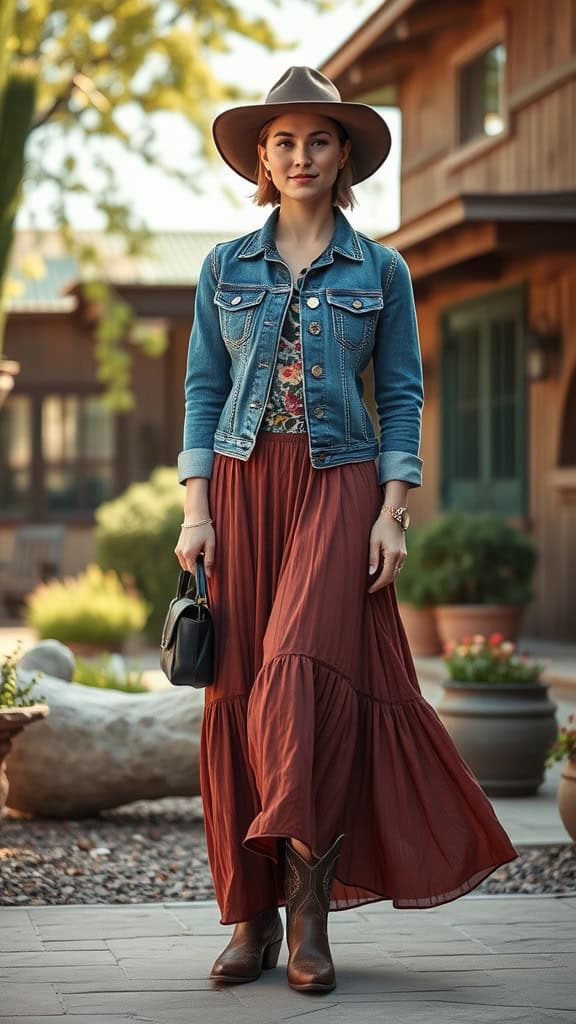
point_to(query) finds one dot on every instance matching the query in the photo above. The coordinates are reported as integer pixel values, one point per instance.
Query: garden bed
(155, 850)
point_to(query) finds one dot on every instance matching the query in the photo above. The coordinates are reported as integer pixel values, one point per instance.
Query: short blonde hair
(267, 194)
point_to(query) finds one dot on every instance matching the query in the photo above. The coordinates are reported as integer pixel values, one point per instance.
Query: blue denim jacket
(356, 304)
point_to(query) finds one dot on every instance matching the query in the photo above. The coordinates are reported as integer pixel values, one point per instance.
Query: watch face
(405, 519)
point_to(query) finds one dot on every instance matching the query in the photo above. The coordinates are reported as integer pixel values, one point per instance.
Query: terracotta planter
(567, 797)
(503, 732)
(12, 721)
(420, 626)
(455, 621)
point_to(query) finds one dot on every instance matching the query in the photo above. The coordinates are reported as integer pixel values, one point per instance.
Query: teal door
(484, 405)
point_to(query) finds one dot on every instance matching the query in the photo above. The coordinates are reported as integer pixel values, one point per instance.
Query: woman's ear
(345, 154)
(262, 157)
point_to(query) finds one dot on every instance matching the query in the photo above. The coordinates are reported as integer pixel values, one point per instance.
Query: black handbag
(187, 644)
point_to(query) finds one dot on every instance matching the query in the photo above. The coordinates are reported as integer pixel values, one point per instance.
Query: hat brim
(236, 134)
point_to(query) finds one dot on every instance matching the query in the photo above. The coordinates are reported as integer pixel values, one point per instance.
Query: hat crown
(303, 85)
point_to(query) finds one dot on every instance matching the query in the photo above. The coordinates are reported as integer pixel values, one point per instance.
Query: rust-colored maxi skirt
(315, 724)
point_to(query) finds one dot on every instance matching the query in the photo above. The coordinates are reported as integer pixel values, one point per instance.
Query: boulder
(102, 748)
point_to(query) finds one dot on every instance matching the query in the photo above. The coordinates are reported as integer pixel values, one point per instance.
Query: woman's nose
(302, 156)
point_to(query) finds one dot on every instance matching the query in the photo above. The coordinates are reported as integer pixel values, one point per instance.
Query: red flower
(293, 404)
(495, 639)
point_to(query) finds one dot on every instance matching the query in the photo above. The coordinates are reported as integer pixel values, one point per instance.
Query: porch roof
(472, 226)
(391, 41)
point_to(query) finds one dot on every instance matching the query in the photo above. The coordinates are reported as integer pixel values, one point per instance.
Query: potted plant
(497, 710)
(478, 572)
(17, 710)
(90, 613)
(564, 749)
(415, 602)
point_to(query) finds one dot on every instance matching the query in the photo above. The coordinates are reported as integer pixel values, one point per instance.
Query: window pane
(503, 398)
(481, 83)
(15, 454)
(98, 429)
(60, 427)
(74, 489)
(78, 449)
(466, 407)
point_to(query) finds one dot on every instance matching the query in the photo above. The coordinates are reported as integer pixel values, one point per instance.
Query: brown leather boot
(255, 945)
(308, 889)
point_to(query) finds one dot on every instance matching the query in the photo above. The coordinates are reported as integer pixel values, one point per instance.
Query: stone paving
(476, 960)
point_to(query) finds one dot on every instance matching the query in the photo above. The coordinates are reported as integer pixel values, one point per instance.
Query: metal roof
(171, 258)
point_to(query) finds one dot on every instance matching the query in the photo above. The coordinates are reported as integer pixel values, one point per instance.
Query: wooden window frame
(38, 511)
(465, 152)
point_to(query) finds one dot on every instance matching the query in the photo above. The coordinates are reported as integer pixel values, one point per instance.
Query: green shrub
(476, 558)
(12, 693)
(137, 533)
(98, 673)
(94, 607)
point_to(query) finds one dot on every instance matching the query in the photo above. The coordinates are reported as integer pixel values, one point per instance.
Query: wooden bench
(37, 556)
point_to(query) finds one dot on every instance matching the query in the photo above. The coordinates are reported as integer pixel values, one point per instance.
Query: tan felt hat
(236, 130)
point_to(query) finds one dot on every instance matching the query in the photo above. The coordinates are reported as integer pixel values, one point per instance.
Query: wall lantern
(543, 348)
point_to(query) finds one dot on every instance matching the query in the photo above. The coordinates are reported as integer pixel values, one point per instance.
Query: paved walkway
(477, 960)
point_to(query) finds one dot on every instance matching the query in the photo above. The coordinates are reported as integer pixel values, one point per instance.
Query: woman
(327, 780)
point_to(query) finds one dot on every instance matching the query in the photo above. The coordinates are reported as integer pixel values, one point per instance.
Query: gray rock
(103, 748)
(49, 656)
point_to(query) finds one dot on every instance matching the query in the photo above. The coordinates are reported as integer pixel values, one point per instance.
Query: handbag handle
(184, 582)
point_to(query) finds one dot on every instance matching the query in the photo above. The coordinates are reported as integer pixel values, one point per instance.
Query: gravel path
(155, 850)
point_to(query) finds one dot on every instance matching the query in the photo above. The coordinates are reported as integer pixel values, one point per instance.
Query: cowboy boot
(308, 889)
(255, 945)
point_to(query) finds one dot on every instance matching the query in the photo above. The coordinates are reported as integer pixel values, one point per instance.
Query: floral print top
(284, 411)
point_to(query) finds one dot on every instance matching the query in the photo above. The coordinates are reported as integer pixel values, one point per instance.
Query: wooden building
(62, 451)
(487, 91)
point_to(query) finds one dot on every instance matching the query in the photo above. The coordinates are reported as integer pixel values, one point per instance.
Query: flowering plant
(564, 746)
(480, 659)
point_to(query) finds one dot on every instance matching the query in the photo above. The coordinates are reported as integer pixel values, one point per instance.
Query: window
(483, 397)
(58, 455)
(481, 95)
(16, 455)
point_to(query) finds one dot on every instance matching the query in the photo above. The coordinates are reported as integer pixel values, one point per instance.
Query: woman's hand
(386, 540)
(191, 542)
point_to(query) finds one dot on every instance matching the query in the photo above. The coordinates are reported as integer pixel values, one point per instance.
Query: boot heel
(271, 954)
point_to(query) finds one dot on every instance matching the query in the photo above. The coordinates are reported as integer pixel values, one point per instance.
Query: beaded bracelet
(202, 522)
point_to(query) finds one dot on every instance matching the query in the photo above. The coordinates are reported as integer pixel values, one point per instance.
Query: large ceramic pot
(567, 797)
(502, 730)
(455, 621)
(421, 632)
(12, 721)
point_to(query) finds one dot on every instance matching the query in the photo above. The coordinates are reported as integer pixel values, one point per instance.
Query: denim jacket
(356, 304)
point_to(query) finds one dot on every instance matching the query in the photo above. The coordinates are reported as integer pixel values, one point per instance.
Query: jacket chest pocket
(237, 308)
(354, 316)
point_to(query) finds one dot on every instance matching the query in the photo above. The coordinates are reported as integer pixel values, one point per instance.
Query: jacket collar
(344, 241)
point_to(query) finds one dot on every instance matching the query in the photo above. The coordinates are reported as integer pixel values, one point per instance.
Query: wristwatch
(399, 514)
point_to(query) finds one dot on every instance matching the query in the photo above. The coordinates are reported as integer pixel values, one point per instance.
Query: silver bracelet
(202, 522)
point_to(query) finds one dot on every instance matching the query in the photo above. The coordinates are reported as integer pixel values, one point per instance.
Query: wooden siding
(537, 152)
(551, 509)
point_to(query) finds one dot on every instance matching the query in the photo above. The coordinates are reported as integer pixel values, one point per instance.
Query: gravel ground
(155, 850)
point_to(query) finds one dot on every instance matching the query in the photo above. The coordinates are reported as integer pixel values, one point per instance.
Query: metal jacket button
(255, 405)
(236, 300)
(357, 304)
(313, 302)
(315, 327)
(319, 412)
(317, 370)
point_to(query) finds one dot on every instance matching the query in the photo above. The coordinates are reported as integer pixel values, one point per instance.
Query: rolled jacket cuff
(195, 462)
(400, 466)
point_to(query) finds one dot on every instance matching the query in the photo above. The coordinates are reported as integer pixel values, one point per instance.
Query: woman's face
(303, 153)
